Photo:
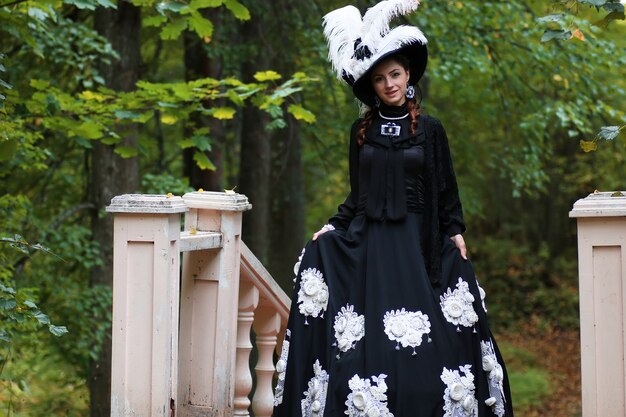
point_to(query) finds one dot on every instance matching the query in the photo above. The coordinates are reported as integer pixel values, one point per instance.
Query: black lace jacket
(443, 214)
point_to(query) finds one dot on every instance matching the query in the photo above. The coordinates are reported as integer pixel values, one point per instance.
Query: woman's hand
(323, 230)
(460, 243)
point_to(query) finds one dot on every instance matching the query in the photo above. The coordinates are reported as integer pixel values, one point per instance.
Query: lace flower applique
(296, 266)
(367, 400)
(406, 328)
(313, 293)
(457, 306)
(349, 328)
(281, 368)
(315, 397)
(459, 399)
(495, 376)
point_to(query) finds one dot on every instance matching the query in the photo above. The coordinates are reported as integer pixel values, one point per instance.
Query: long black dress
(374, 329)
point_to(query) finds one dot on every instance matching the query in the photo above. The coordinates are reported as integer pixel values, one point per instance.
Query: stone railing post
(209, 306)
(266, 327)
(145, 304)
(602, 273)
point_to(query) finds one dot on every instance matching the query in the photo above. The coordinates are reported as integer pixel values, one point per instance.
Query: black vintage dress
(375, 329)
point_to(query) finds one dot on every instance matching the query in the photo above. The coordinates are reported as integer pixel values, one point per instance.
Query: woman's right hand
(323, 230)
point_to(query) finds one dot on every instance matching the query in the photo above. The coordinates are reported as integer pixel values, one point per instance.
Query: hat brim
(417, 54)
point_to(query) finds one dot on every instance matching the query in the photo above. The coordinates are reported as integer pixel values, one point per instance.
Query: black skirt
(369, 335)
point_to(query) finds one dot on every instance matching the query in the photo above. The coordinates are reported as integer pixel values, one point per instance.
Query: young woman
(387, 316)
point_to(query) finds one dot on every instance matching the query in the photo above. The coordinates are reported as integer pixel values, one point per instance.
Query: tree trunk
(287, 209)
(254, 168)
(198, 64)
(112, 175)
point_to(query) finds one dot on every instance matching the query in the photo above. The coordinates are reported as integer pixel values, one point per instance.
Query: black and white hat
(357, 44)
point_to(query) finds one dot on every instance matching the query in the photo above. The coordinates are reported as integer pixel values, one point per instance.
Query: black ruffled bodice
(390, 168)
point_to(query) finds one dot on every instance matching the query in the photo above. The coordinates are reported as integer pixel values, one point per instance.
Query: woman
(387, 317)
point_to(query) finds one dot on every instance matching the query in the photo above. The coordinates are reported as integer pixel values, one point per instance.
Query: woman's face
(390, 80)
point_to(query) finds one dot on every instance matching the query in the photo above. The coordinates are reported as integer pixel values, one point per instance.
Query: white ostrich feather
(377, 18)
(341, 28)
(398, 37)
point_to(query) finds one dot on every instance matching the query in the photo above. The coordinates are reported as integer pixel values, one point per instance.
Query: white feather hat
(356, 45)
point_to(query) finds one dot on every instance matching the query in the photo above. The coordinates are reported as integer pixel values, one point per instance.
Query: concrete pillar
(209, 306)
(602, 273)
(145, 304)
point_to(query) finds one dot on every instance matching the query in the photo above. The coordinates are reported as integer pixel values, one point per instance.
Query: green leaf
(41, 317)
(235, 98)
(89, 130)
(596, 3)
(185, 143)
(23, 386)
(7, 149)
(52, 105)
(203, 4)
(126, 151)
(203, 143)
(125, 114)
(154, 21)
(549, 35)
(9, 304)
(4, 336)
(83, 142)
(30, 304)
(300, 113)
(609, 132)
(239, 10)
(39, 84)
(223, 113)
(173, 29)
(203, 27)
(173, 6)
(267, 76)
(551, 18)
(57, 330)
(203, 161)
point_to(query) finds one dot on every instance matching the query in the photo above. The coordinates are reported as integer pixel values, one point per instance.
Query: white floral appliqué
(296, 266)
(313, 293)
(483, 294)
(281, 368)
(406, 328)
(314, 399)
(459, 399)
(495, 375)
(349, 328)
(367, 400)
(457, 306)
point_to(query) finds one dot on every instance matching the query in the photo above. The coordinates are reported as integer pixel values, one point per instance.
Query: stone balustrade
(182, 341)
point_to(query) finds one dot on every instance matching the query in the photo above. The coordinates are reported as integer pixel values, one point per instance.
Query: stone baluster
(145, 304)
(266, 327)
(248, 301)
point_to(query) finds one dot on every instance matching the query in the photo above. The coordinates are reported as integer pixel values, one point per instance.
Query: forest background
(99, 98)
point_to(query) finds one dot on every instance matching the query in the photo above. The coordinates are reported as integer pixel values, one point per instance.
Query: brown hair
(412, 106)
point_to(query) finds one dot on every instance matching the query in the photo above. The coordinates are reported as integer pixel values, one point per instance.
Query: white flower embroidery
(483, 294)
(457, 306)
(349, 328)
(406, 328)
(296, 266)
(495, 375)
(314, 399)
(281, 368)
(367, 400)
(313, 293)
(459, 399)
